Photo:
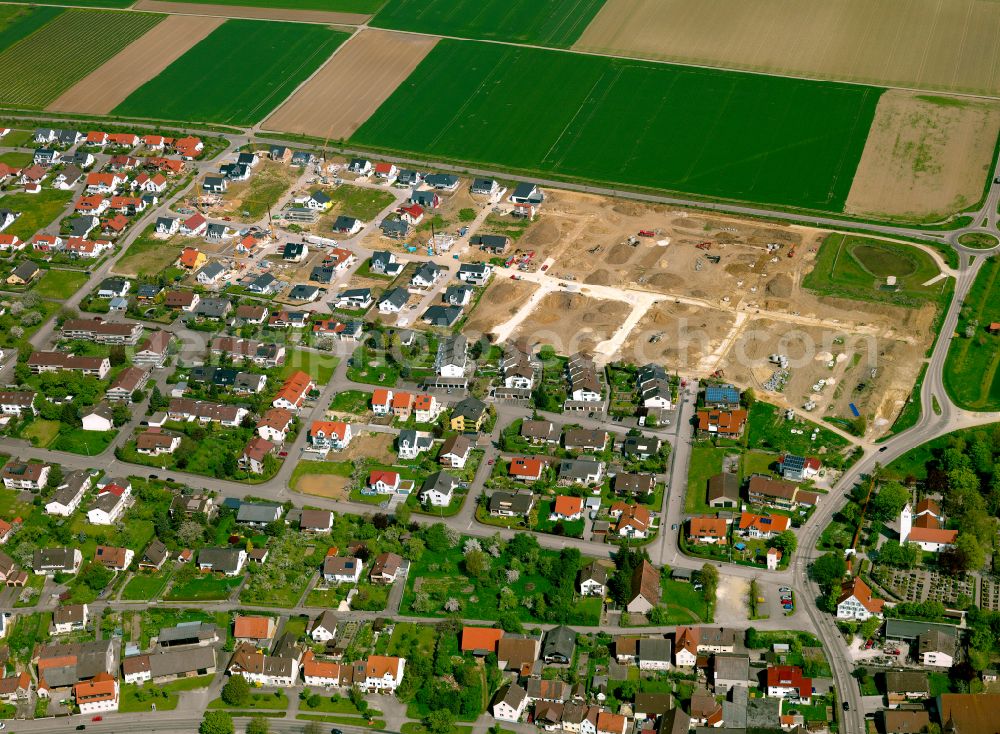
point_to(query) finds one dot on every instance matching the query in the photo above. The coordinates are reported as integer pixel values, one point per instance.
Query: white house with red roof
(926, 530)
(857, 602)
(384, 482)
(412, 214)
(194, 226)
(381, 401)
(526, 468)
(386, 171)
(329, 435)
(787, 681)
(566, 508)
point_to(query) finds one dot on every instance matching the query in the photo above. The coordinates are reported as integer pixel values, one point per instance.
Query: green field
(706, 462)
(60, 284)
(87, 443)
(552, 23)
(283, 55)
(37, 210)
(972, 368)
(19, 21)
(16, 158)
(366, 7)
(706, 132)
(856, 267)
(36, 70)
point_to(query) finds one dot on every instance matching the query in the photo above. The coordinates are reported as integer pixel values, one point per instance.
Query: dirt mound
(779, 286)
(629, 209)
(544, 233)
(620, 254)
(668, 281)
(598, 277)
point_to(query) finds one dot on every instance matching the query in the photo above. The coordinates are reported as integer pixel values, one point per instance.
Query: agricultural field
(363, 7)
(107, 86)
(284, 55)
(554, 23)
(36, 70)
(20, 21)
(912, 44)
(348, 90)
(266, 10)
(855, 267)
(972, 368)
(926, 157)
(710, 133)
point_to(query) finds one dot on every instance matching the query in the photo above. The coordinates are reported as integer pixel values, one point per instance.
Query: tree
(314, 701)
(828, 571)
(441, 721)
(889, 502)
(402, 514)
(258, 725)
(786, 542)
(477, 564)
(217, 722)
(236, 692)
(55, 476)
(709, 577)
(120, 414)
(137, 396)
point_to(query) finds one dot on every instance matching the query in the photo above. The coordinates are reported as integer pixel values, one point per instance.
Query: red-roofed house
(566, 508)
(383, 482)
(412, 214)
(480, 640)
(707, 530)
(787, 681)
(194, 226)
(402, 404)
(926, 532)
(762, 526)
(294, 390)
(526, 468)
(329, 435)
(381, 401)
(856, 601)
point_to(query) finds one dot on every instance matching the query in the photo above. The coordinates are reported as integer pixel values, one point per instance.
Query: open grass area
(19, 21)
(318, 365)
(283, 55)
(914, 462)
(684, 603)
(261, 192)
(60, 284)
(552, 23)
(204, 588)
(850, 266)
(306, 468)
(331, 6)
(702, 131)
(351, 401)
(146, 585)
(41, 432)
(768, 429)
(706, 462)
(276, 701)
(15, 158)
(358, 202)
(979, 240)
(87, 443)
(37, 210)
(972, 368)
(147, 255)
(142, 698)
(37, 69)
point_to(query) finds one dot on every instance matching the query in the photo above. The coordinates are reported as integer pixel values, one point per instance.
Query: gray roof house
(558, 645)
(257, 514)
(442, 315)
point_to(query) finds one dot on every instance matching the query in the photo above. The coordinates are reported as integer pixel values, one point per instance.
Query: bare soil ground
(377, 446)
(353, 83)
(727, 315)
(239, 11)
(572, 322)
(269, 182)
(945, 46)
(926, 157)
(107, 86)
(502, 299)
(330, 486)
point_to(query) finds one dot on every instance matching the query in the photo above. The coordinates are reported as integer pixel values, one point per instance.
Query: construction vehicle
(647, 233)
(704, 245)
(714, 259)
(411, 248)
(791, 252)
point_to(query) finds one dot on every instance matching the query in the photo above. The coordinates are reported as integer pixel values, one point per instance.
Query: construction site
(709, 296)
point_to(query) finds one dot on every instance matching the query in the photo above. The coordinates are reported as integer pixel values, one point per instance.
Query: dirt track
(908, 43)
(240, 11)
(107, 86)
(352, 85)
(925, 156)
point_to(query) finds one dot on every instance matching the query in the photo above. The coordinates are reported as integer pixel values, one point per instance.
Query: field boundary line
(586, 100)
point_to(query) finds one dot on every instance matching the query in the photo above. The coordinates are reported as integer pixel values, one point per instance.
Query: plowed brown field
(352, 85)
(108, 85)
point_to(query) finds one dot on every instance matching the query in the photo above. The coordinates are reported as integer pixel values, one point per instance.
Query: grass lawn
(41, 432)
(706, 462)
(149, 256)
(88, 443)
(304, 468)
(145, 585)
(553, 23)
(709, 132)
(374, 371)
(37, 70)
(972, 368)
(980, 240)
(328, 598)
(284, 54)
(204, 588)
(914, 462)
(338, 705)
(276, 701)
(357, 202)
(855, 267)
(37, 210)
(17, 22)
(319, 366)
(351, 401)
(768, 429)
(757, 462)
(331, 6)
(60, 284)
(939, 683)
(349, 720)
(14, 158)
(138, 698)
(684, 603)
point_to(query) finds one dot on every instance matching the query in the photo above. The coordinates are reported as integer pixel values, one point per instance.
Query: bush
(236, 692)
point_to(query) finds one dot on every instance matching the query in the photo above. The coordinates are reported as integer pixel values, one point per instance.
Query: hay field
(270, 59)
(719, 134)
(351, 85)
(107, 86)
(921, 44)
(926, 157)
(37, 69)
